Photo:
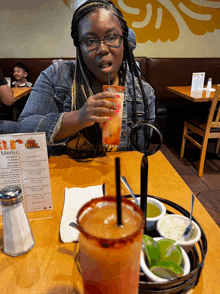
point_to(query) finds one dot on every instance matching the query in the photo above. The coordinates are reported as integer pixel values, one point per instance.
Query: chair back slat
(213, 121)
(215, 124)
(217, 118)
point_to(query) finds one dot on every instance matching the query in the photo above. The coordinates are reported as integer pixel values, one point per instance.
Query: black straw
(144, 188)
(109, 78)
(118, 191)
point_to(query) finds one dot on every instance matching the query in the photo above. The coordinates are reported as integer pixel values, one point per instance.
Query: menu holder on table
(197, 81)
(197, 84)
(24, 162)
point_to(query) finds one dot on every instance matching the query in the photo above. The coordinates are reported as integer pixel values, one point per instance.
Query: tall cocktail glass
(109, 254)
(111, 130)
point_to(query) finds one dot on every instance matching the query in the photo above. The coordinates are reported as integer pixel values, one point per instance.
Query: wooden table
(195, 96)
(52, 266)
(19, 92)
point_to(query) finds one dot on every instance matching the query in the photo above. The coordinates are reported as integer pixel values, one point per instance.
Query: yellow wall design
(164, 28)
(158, 19)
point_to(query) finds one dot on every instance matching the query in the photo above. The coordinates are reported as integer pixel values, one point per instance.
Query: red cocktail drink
(109, 254)
(111, 130)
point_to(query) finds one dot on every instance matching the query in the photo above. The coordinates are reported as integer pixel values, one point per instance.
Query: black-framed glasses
(92, 43)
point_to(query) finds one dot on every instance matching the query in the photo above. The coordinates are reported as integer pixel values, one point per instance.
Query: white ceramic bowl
(152, 277)
(172, 220)
(152, 221)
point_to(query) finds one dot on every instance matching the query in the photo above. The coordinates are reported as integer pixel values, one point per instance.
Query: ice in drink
(110, 255)
(111, 130)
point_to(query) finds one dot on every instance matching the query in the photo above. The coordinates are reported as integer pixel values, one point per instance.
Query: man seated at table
(6, 99)
(6, 94)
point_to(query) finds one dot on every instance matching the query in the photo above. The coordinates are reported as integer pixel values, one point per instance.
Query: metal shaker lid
(10, 195)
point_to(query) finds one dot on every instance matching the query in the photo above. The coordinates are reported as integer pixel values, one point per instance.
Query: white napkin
(75, 198)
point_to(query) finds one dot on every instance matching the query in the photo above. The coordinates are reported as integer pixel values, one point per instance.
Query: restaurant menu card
(197, 81)
(24, 162)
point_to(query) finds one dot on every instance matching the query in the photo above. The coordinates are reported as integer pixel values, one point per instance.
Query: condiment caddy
(196, 256)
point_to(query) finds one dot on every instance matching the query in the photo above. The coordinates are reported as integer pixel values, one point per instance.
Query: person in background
(6, 94)
(67, 101)
(6, 99)
(21, 72)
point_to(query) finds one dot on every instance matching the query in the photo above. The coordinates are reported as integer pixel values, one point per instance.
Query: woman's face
(101, 24)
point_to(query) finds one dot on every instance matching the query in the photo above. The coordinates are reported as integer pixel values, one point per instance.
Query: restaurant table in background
(53, 267)
(19, 92)
(195, 96)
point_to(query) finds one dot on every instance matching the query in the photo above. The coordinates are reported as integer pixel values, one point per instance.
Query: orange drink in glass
(110, 254)
(111, 130)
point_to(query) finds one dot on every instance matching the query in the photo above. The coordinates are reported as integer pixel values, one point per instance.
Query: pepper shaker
(18, 238)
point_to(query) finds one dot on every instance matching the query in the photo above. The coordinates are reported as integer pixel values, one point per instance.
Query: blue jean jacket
(51, 98)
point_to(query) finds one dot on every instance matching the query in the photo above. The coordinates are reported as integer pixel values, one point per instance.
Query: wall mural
(160, 19)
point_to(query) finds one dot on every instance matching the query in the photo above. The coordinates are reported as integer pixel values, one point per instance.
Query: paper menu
(24, 162)
(197, 81)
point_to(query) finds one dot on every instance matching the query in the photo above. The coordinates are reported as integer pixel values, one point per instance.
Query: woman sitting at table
(67, 101)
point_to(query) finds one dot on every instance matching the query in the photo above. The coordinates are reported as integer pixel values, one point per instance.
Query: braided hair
(82, 86)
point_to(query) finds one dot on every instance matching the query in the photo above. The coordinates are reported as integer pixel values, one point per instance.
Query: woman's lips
(105, 64)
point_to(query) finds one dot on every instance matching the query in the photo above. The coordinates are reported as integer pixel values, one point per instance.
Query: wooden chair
(211, 129)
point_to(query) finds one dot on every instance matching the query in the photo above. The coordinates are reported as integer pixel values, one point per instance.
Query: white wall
(41, 28)
(36, 28)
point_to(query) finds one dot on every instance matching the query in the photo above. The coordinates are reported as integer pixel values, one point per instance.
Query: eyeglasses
(92, 43)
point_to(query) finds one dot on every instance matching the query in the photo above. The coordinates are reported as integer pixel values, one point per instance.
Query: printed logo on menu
(11, 145)
(30, 144)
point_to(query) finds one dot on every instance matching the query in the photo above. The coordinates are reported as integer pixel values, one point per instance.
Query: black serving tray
(196, 256)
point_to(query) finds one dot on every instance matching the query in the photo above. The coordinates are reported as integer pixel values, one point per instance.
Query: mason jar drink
(110, 254)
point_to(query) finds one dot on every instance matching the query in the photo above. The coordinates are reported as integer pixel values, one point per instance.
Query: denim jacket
(51, 98)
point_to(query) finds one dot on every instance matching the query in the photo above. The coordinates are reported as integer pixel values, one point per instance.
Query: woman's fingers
(97, 108)
(105, 99)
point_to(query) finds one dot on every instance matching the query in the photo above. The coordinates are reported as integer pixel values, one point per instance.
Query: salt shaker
(209, 84)
(18, 238)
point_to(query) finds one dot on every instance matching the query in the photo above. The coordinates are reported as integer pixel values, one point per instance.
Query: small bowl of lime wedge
(166, 260)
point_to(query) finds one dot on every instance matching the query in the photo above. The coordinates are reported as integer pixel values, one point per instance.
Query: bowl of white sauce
(172, 226)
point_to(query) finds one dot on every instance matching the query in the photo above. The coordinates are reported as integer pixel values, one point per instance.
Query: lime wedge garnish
(170, 251)
(151, 249)
(167, 269)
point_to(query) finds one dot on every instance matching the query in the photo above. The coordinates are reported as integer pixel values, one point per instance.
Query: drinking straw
(118, 191)
(144, 184)
(109, 78)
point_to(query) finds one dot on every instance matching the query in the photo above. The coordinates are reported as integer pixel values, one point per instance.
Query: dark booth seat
(161, 72)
